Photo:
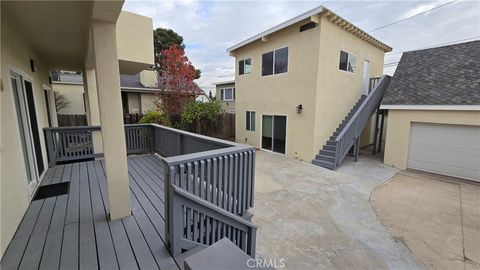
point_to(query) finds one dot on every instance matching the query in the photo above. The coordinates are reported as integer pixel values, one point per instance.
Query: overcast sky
(210, 27)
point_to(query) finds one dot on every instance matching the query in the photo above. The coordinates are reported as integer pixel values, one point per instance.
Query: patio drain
(52, 190)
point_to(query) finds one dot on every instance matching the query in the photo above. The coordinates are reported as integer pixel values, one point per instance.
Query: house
(225, 93)
(70, 196)
(138, 91)
(298, 80)
(433, 104)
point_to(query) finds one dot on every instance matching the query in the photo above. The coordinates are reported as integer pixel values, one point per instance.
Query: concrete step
(327, 153)
(324, 164)
(325, 158)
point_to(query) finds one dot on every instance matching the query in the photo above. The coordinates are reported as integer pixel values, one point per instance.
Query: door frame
(273, 123)
(36, 177)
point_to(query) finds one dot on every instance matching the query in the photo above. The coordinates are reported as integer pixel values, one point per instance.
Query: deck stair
(349, 130)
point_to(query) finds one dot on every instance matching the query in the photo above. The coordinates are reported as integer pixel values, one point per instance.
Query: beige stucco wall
(74, 94)
(398, 132)
(313, 79)
(227, 106)
(134, 34)
(338, 90)
(15, 193)
(280, 94)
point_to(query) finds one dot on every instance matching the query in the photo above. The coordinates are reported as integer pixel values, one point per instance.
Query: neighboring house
(298, 80)
(138, 91)
(225, 93)
(433, 104)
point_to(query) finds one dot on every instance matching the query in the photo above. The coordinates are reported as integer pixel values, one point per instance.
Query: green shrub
(195, 111)
(156, 118)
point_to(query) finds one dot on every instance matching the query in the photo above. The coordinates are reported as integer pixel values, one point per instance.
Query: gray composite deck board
(72, 231)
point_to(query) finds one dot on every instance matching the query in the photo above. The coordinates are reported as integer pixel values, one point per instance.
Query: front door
(274, 133)
(28, 126)
(366, 76)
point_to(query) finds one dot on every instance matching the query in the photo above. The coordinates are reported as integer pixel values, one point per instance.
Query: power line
(435, 45)
(415, 15)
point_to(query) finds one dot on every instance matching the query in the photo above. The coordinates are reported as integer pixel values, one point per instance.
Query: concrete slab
(314, 218)
(437, 217)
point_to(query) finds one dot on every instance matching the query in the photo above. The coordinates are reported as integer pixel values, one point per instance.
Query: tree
(163, 39)
(61, 101)
(176, 77)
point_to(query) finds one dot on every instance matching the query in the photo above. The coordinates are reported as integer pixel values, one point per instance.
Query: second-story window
(227, 94)
(348, 62)
(245, 66)
(275, 62)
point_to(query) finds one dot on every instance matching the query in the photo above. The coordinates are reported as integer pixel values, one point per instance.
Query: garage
(452, 150)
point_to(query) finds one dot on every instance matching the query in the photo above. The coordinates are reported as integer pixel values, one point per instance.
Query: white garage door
(445, 149)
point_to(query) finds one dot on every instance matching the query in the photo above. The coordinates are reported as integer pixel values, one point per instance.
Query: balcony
(187, 190)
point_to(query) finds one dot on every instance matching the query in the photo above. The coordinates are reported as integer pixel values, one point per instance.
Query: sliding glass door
(28, 126)
(274, 133)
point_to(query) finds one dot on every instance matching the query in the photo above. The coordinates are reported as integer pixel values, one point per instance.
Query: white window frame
(273, 67)
(348, 57)
(222, 93)
(244, 73)
(250, 127)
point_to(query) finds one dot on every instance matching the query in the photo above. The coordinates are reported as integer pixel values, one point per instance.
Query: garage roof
(447, 75)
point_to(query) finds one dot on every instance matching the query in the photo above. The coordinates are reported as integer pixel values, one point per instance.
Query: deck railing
(209, 182)
(355, 125)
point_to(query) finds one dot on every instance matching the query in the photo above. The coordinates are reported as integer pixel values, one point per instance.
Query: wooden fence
(222, 128)
(68, 120)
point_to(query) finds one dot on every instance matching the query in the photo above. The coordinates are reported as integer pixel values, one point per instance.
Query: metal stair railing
(359, 120)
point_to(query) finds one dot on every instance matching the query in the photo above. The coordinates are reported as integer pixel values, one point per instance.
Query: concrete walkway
(437, 218)
(314, 218)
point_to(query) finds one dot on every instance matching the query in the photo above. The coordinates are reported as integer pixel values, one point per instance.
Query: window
(245, 66)
(275, 62)
(308, 26)
(348, 62)
(250, 117)
(227, 94)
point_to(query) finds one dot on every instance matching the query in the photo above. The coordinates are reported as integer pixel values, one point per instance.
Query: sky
(210, 27)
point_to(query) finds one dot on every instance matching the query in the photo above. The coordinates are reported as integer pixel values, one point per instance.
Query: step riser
(327, 153)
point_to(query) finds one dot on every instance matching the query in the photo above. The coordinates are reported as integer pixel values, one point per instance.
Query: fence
(76, 120)
(222, 127)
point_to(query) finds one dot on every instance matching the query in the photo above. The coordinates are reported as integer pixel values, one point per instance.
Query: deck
(72, 231)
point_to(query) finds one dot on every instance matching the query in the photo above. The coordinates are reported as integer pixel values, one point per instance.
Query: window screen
(267, 64)
(281, 60)
(241, 67)
(348, 62)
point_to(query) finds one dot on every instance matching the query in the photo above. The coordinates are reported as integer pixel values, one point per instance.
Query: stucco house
(433, 104)
(297, 81)
(138, 91)
(71, 198)
(225, 93)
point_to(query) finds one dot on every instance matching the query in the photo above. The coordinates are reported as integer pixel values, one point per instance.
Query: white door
(366, 76)
(452, 150)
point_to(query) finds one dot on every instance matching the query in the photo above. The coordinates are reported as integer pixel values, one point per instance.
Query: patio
(73, 231)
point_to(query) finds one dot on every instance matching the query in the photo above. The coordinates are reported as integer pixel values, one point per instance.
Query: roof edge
(331, 17)
(432, 107)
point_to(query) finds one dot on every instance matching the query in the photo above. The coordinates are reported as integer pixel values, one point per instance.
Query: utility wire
(415, 15)
(435, 45)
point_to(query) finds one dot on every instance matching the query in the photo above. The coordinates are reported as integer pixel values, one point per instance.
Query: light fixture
(299, 108)
(33, 66)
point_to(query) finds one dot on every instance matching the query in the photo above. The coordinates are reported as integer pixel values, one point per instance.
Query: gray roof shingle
(448, 75)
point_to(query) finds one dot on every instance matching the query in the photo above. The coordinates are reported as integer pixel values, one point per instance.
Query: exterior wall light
(33, 65)
(299, 108)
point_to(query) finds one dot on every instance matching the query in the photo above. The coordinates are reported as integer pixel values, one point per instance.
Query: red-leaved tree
(176, 78)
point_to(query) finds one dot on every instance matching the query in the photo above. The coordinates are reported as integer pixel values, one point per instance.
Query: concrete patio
(314, 218)
(437, 217)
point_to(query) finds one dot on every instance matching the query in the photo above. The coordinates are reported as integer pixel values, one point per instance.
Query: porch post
(91, 103)
(110, 107)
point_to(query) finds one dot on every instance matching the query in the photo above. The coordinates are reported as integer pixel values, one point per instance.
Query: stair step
(332, 138)
(329, 148)
(324, 164)
(181, 258)
(327, 153)
(336, 133)
(332, 143)
(325, 158)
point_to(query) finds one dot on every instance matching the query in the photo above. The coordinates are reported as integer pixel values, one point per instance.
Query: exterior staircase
(349, 130)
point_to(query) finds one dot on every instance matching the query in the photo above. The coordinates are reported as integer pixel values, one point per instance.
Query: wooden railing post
(50, 148)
